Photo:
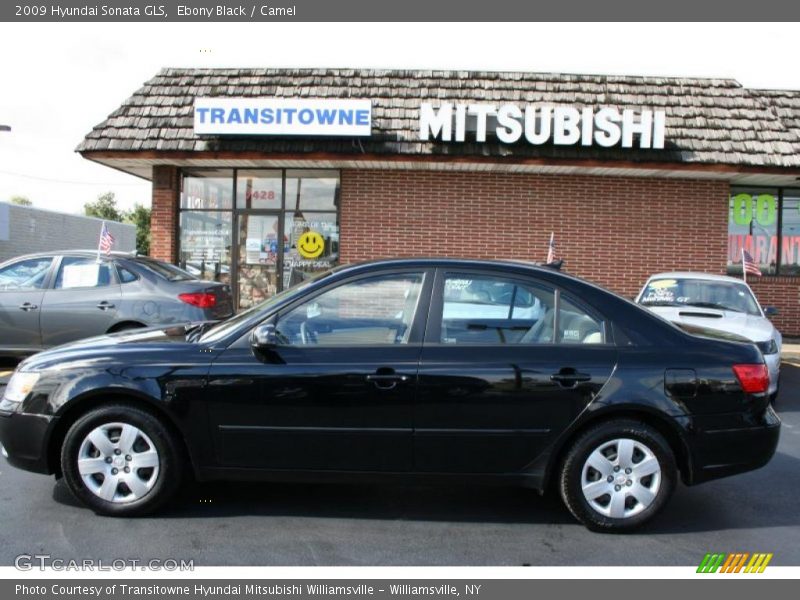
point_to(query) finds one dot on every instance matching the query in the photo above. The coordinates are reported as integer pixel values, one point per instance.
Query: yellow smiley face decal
(311, 244)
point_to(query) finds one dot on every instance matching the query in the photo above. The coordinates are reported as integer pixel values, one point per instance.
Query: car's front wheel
(618, 475)
(121, 460)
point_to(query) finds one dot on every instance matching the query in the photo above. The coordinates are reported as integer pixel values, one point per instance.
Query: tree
(140, 216)
(21, 201)
(105, 207)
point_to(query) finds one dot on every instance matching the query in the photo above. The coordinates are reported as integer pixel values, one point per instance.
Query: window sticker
(80, 275)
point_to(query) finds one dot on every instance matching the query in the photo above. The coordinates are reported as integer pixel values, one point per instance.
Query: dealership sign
(282, 116)
(542, 124)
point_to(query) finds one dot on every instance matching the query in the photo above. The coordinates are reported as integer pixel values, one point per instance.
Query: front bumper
(24, 440)
(719, 452)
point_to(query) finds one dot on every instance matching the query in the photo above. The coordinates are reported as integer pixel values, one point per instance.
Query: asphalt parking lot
(260, 524)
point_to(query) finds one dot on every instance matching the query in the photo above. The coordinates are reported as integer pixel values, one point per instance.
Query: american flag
(551, 249)
(106, 239)
(749, 264)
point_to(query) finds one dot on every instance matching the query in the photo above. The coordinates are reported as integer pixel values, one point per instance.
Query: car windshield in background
(702, 293)
(166, 270)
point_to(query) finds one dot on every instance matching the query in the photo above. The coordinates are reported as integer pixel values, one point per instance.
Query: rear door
(82, 302)
(507, 364)
(22, 285)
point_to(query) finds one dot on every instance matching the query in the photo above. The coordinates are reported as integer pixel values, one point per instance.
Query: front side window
(76, 272)
(25, 275)
(375, 311)
(491, 310)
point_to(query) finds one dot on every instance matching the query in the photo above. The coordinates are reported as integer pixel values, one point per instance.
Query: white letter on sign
(565, 126)
(509, 126)
(644, 128)
(606, 123)
(432, 124)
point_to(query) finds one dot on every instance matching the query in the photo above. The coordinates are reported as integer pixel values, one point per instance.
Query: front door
(507, 364)
(21, 290)
(337, 392)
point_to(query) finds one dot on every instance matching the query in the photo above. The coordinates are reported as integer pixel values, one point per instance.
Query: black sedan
(427, 369)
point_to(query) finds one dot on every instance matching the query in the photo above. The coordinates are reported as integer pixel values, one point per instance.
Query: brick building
(633, 175)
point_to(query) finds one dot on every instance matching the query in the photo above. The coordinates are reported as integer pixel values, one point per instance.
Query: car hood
(116, 347)
(752, 327)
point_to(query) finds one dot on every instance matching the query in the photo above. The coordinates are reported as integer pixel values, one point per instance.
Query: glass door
(261, 242)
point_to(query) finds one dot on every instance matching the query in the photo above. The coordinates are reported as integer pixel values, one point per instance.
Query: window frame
(433, 330)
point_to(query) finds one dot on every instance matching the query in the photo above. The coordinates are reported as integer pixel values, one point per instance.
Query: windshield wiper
(713, 305)
(193, 332)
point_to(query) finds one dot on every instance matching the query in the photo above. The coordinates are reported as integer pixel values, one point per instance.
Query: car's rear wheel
(120, 460)
(618, 475)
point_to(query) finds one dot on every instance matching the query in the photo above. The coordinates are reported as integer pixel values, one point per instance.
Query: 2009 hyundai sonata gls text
(425, 369)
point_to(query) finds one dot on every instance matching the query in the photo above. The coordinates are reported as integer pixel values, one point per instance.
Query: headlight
(767, 347)
(17, 389)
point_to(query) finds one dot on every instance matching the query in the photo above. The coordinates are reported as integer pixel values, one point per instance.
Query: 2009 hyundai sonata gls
(426, 369)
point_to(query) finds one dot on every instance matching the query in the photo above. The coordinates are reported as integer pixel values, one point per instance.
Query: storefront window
(790, 233)
(312, 189)
(753, 227)
(205, 239)
(259, 189)
(279, 240)
(210, 189)
(312, 245)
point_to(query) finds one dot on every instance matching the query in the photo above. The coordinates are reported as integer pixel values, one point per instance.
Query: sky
(61, 79)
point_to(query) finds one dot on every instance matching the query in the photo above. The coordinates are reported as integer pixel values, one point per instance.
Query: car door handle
(26, 306)
(104, 305)
(569, 377)
(387, 381)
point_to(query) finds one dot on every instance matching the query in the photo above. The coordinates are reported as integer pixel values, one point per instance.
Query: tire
(628, 501)
(149, 451)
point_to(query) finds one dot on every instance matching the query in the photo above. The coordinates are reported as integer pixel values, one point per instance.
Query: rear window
(166, 270)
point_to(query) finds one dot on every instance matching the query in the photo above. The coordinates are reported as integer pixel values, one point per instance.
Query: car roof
(695, 275)
(114, 254)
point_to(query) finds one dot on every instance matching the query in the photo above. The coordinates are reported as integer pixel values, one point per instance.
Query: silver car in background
(53, 298)
(716, 302)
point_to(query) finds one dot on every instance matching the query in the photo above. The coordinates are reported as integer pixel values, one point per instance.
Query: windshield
(223, 328)
(702, 293)
(166, 270)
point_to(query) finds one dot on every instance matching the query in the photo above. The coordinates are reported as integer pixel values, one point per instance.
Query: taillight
(199, 299)
(754, 379)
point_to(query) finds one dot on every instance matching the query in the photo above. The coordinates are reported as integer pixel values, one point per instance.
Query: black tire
(572, 470)
(166, 481)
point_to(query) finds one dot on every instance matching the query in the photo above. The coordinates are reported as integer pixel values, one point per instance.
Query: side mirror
(770, 311)
(264, 336)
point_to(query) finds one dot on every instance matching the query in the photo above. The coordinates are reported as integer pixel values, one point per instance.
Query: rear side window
(125, 276)
(25, 275)
(576, 326)
(480, 309)
(78, 272)
(166, 270)
(485, 309)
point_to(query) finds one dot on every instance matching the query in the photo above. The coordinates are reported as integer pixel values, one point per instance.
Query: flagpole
(100, 241)
(744, 269)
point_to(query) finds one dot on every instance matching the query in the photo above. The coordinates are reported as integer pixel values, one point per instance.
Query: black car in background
(431, 370)
(52, 298)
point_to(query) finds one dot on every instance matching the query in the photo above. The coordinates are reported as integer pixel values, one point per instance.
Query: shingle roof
(709, 121)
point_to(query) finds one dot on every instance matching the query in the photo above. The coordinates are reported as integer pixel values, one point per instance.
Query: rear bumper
(719, 453)
(24, 440)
